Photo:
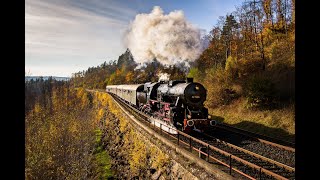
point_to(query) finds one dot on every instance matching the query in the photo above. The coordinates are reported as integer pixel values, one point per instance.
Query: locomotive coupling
(213, 123)
(190, 122)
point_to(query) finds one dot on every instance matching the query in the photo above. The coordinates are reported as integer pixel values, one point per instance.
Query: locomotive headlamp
(190, 123)
(189, 116)
(213, 123)
(209, 116)
(197, 88)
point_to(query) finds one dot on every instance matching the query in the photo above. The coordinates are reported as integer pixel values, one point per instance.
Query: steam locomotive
(175, 103)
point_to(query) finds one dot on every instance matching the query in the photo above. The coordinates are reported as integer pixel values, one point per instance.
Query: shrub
(249, 65)
(227, 95)
(282, 52)
(232, 66)
(219, 89)
(260, 92)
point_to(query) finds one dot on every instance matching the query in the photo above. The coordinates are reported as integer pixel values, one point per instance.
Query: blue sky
(67, 36)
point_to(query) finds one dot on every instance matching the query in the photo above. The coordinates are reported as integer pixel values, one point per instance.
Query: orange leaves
(118, 72)
(129, 77)
(118, 77)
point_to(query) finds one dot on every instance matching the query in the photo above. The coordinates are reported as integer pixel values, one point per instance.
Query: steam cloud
(163, 76)
(168, 38)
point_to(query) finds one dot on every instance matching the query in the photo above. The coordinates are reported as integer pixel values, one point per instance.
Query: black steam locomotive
(176, 103)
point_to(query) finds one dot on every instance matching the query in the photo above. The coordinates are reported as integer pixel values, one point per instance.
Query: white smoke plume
(168, 38)
(163, 76)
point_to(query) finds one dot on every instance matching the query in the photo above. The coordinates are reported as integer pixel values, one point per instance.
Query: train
(179, 104)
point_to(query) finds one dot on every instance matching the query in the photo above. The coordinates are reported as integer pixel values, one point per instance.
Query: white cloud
(63, 32)
(169, 38)
(62, 71)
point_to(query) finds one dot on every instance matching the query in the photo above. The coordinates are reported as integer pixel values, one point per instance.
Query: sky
(66, 36)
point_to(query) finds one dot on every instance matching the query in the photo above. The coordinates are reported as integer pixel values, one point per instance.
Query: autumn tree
(228, 32)
(59, 133)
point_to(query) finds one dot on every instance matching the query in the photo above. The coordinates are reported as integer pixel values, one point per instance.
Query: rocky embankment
(134, 154)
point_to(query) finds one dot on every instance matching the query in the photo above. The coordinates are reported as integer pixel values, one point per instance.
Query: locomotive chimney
(189, 80)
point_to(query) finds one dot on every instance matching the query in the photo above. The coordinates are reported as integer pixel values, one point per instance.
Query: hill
(29, 78)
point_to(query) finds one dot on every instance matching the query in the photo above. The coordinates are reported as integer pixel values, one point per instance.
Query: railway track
(234, 159)
(271, 150)
(289, 146)
(252, 159)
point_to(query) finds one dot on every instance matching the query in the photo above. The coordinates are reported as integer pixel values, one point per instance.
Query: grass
(102, 158)
(279, 123)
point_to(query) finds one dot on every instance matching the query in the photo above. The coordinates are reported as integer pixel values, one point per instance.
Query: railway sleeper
(262, 163)
(244, 156)
(236, 153)
(289, 175)
(278, 170)
(266, 166)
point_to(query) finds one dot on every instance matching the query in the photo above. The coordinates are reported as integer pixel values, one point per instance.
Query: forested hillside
(248, 67)
(60, 136)
(124, 71)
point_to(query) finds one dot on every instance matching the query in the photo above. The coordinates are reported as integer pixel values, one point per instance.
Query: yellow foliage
(128, 140)
(55, 101)
(138, 154)
(53, 130)
(159, 159)
(129, 77)
(37, 108)
(250, 64)
(282, 52)
(231, 65)
(104, 99)
(123, 124)
(100, 114)
(82, 94)
(74, 127)
(58, 142)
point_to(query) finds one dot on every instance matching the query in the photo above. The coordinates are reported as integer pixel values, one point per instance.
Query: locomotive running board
(164, 127)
